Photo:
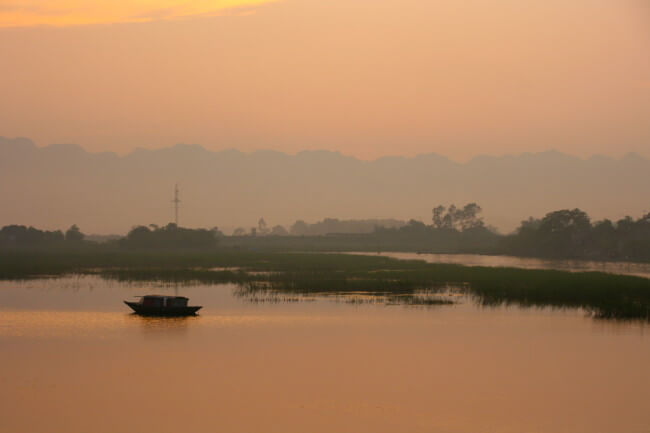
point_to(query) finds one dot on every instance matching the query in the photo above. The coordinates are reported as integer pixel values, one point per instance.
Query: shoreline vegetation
(269, 263)
(289, 274)
(562, 234)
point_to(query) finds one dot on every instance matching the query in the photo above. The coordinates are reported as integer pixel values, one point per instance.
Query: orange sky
(28, 13)
(364, 77)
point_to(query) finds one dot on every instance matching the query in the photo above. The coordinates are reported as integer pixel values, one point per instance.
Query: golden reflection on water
(57, 323)
(78, 324)
(321, 367)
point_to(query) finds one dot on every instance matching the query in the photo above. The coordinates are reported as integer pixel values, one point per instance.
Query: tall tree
(74, 234)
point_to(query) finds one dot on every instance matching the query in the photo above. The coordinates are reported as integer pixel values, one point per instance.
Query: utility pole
(177, 203)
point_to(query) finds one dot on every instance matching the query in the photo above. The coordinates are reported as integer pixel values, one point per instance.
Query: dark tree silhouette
(299, 228)
(569, 233)
(217, 233)
(17, 235)
(170, 236)
(279, 231)
(461, 219)
(73, 234)
(262, 228)
(239, 231)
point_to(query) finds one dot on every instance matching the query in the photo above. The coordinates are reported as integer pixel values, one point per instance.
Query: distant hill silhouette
(59, 185)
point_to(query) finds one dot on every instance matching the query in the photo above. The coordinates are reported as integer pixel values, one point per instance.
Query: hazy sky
(364, 77)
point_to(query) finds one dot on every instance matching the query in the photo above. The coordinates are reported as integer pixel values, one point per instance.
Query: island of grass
(290, 274)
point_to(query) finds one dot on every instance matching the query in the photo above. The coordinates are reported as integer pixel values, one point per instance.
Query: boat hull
(162, 311)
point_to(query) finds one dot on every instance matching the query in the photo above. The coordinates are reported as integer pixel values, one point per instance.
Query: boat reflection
(163, 326)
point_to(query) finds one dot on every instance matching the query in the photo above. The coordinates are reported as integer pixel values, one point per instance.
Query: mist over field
(55, 186)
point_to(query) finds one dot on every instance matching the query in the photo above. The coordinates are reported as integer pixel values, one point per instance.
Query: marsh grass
(311, 274)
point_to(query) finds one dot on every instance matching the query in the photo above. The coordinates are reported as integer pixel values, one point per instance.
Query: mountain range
(58, 185)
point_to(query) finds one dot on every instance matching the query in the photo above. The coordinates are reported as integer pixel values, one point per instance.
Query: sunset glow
(28, 13)
(324, 216)
(367, 78)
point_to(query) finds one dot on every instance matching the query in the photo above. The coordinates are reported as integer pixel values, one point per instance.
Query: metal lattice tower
(177, 202)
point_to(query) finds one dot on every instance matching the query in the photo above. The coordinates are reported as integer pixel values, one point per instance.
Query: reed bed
(290, 274)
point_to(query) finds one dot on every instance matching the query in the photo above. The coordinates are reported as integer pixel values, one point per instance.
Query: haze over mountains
(55, 186)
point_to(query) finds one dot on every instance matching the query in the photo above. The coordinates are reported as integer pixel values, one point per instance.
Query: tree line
(571, 233)
(567, 233)
(325, 227)
(19, 235)
(152, 236)
(169, 236)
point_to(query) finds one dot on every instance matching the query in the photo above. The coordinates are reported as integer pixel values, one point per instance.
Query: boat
(159, 305)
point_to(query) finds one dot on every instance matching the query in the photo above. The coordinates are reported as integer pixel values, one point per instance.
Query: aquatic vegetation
(263, 275)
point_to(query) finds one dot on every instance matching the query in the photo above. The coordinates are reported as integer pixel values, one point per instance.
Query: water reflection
(623, 268)
(162, 326)
(59, 323)
(98, 325)
(315, 366)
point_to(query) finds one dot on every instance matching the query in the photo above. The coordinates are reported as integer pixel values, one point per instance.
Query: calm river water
(623, 268)
(73, 360)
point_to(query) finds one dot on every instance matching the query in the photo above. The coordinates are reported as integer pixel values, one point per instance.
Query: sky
(367, 78)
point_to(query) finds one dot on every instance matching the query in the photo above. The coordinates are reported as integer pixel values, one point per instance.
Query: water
(73, 360)
(622, 268)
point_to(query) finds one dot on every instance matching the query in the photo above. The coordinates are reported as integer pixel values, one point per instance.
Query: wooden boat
(158, 305)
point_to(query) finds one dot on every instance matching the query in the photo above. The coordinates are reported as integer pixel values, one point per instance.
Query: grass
(290, 274)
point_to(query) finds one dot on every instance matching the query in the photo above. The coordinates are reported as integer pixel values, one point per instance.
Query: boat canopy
(163, 301)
